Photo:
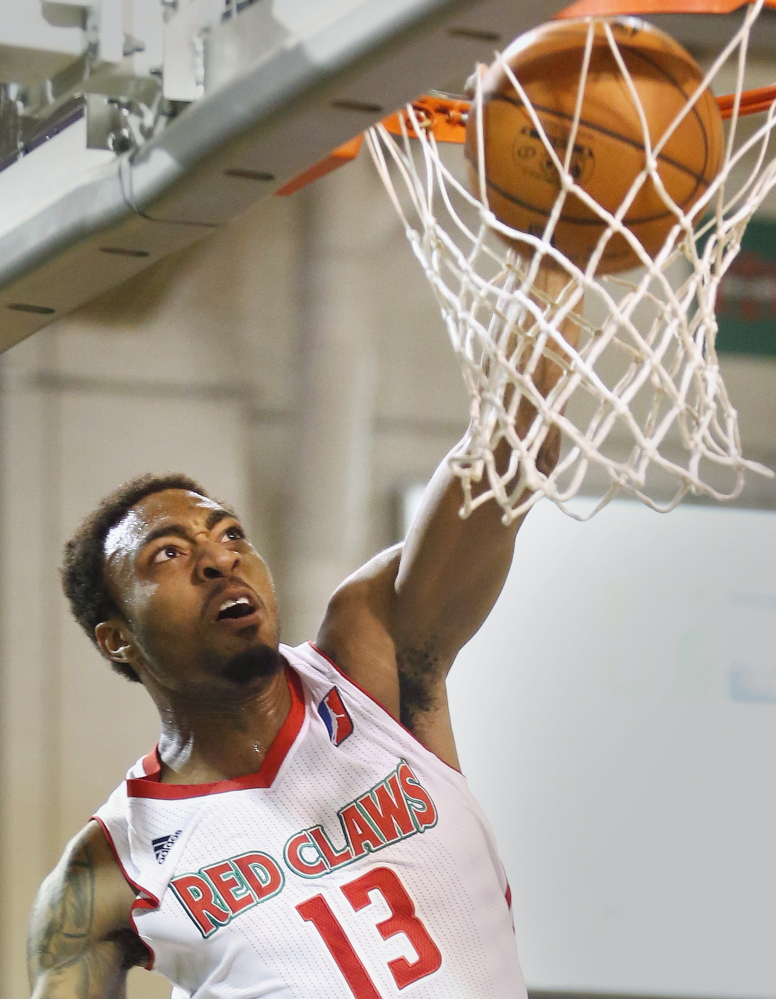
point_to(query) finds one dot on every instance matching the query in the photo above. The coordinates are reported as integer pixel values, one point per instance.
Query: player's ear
(115, 641)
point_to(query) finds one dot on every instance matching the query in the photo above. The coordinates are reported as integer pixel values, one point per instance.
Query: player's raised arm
(397, 625)
(81, 943)
(453, 569)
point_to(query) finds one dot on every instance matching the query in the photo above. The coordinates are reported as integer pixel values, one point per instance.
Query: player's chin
(257, 662)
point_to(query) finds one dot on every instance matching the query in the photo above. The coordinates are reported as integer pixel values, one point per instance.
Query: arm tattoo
(67, 955)
(64, 915)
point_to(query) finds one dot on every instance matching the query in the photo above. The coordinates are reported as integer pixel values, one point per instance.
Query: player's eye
(233, 533)
(167, 553)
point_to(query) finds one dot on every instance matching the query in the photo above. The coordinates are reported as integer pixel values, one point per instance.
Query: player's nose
(216, 561)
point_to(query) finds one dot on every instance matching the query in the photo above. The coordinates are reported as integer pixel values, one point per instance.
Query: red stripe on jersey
(150, 787)
(150, 901)
(150, 762)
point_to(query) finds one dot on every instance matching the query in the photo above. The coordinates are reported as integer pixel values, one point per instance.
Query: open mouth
(233, 609)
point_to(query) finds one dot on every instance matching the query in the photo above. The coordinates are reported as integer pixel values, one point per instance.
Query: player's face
(197, 598)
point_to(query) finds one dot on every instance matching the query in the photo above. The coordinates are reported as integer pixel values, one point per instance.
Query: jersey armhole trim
(384, 710)
(145, 901)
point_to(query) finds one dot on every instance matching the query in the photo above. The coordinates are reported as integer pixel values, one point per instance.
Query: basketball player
(301, 830)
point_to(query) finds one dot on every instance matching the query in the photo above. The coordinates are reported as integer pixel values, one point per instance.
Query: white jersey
(354, 863)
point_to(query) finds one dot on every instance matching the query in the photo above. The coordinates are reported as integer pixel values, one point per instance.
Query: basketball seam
(563, 115)
(700, 180)
(693, 110)
(662, 71)
(570, 220)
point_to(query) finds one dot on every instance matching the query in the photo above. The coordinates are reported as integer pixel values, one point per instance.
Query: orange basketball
(608, 153)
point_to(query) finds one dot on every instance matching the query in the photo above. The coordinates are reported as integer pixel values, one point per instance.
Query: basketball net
(639, 400)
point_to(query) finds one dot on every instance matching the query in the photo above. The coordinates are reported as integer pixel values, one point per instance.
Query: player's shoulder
(374, 577)
(91, 841)
(81, 920)
(361, 603)
(88, 873)
(356, 629)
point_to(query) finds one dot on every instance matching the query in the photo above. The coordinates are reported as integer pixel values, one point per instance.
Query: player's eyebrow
(179, 531)
(216, 516)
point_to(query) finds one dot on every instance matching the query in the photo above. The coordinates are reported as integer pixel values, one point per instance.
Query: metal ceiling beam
(272, 114)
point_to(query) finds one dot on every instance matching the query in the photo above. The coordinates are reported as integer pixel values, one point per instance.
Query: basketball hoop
(639, 402)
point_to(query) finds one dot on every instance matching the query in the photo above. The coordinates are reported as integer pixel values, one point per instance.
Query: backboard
(132, 128)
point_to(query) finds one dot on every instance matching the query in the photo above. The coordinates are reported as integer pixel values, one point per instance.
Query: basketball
(608, 152)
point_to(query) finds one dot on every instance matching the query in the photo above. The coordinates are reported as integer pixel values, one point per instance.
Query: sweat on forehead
(150, 516)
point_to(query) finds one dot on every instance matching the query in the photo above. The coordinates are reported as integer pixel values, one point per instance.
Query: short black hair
(83, 560)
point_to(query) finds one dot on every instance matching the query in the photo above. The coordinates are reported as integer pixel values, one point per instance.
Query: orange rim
(445, 115)
(752, 101)
(616, 8)
(337, 157)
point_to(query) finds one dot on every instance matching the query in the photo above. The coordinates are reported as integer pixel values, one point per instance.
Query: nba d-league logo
(335, 717)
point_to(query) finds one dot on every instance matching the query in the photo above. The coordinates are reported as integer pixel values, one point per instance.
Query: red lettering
(261, 874)
(334, 858)
(201, 902)
(401, 920)
(387, 809)
(317, 911)
(418, 797)
(360, 834)
(229, 886)
(296, 861)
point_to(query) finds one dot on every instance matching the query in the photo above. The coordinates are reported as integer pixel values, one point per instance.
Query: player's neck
(211, 739)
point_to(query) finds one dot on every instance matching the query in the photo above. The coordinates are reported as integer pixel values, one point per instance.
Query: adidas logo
(163, 844)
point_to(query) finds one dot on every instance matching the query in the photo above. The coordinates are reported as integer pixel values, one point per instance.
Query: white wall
(616, 717)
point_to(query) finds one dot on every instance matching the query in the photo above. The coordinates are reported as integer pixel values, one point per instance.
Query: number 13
(317, 911)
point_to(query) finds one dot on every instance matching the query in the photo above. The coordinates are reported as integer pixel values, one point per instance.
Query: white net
(638, 401)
